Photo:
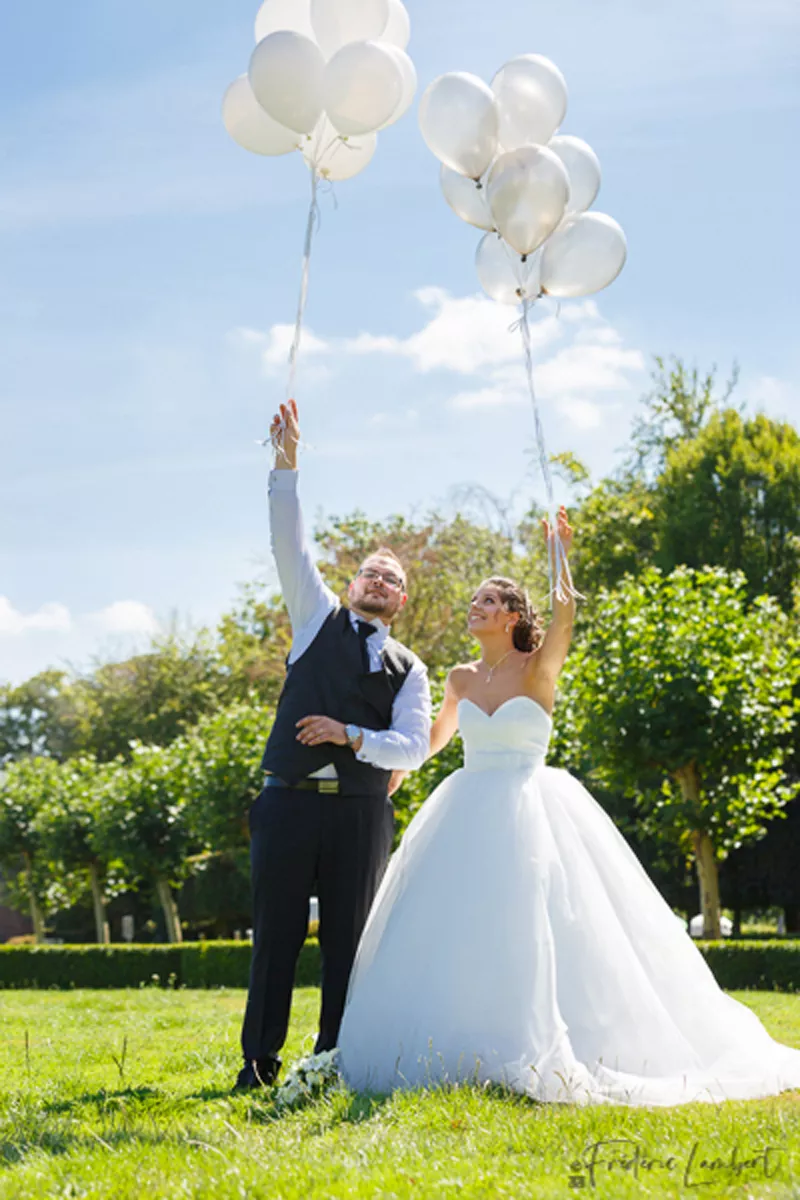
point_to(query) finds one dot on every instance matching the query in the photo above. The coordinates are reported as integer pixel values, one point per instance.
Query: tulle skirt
(516, 939)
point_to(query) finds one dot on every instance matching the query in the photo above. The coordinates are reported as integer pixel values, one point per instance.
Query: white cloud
(581, 362)
(584, 414)
(125, 616)
(51, 618)
(274, 348)
(771, 394)
(465, 334)
(489, 397)
(52, 636)
(394, 421)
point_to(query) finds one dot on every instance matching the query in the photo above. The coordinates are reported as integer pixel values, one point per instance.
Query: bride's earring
(507, 628)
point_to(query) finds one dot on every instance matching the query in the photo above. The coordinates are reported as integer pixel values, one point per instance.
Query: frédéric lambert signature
(694, 1165)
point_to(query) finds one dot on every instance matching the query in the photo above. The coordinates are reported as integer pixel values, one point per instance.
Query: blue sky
(148, 268)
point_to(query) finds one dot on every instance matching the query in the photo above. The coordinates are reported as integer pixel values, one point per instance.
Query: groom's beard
(378, 606)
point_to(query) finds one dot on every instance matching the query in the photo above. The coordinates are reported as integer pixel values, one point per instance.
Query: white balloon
(583, 256)
(336, 23)
(528, 190)
(335, 157)
(274, 16)
(363, 87)
(286, 74)
(409, 74)
(503, 274)
(467, 198)
(532, 96)
(248, 124)
(398, 31)
(458, 116)
(583, 168)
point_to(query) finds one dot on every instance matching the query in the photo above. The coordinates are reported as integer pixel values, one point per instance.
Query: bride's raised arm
(546, 664)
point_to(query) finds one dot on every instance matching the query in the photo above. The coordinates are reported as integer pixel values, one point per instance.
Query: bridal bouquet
(308, 1079)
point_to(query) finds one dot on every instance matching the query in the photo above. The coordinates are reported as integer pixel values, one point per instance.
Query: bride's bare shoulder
(459, 677)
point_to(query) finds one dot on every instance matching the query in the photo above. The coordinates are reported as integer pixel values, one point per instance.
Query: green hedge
(762, 966)
(194, 965)
(768, 966)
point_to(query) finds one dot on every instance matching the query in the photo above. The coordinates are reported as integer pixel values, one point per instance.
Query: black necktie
(365, 630)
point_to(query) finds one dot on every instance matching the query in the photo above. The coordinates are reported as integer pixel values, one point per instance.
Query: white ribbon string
(311, 225)
(559, 576)
(275, 438)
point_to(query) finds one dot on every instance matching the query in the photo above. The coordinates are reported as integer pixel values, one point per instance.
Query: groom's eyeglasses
(391, 581)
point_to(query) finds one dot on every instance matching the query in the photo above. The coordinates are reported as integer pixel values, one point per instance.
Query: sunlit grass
(127, 1094)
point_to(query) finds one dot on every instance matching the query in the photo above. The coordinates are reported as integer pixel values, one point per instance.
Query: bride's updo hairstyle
(529, 629)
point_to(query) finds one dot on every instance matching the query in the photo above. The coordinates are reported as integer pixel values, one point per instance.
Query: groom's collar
(383, 630)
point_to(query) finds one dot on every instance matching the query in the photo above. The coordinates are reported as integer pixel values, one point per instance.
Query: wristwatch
(352, 733)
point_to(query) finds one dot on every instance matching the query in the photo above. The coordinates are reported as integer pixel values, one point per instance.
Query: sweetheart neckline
(510, 700)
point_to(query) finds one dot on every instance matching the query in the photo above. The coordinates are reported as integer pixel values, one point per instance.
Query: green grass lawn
(126, 1094)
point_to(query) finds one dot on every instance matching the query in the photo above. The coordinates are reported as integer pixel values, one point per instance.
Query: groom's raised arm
(307, 596)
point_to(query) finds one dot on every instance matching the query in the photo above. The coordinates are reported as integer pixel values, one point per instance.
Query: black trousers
(300, 841)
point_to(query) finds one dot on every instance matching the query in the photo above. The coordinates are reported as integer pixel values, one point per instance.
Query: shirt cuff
(283, 481)
(369, 746)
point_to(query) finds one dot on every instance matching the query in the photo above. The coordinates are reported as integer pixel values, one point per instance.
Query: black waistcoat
(328, 680)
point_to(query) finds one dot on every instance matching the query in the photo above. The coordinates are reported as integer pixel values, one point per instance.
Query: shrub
(762, 966)
(193, 964)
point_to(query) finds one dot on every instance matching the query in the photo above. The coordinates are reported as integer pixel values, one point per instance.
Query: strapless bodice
(514, 737)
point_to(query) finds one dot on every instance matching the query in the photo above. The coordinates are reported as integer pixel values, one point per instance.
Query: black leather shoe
(261, 1073)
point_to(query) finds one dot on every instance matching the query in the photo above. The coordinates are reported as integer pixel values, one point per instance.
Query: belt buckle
(329, 787)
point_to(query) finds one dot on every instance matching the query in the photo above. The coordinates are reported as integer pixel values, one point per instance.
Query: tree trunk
(709, 884)
(705, 858)
(792, 913)
(171, 917)
(100, 920)
(36, 912)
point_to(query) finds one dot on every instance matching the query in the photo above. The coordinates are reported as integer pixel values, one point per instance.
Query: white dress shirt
(309, 601)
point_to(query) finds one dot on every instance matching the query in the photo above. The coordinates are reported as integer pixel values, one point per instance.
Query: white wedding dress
(515, 938)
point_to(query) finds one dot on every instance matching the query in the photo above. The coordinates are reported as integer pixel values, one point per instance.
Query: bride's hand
(284, 434)
(396, 781)
(565, 530)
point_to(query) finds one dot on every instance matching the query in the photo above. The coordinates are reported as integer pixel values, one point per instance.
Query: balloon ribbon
(559, 575)
(311, 224)
(294, 350)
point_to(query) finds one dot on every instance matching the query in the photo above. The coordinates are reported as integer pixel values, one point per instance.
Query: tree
(445, 561)
(67, 823)
(616, 533)
(24, 788)
(152, 698)
(675, 411)
(37, 718)
(682, 694)
(142, 822)
(731, 496)
(222, 773)
(253, 642)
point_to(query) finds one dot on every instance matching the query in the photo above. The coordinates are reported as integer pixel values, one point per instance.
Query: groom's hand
(284, 433)
(315, 731)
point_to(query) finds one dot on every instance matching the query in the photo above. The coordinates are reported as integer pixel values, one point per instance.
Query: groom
(354, 708)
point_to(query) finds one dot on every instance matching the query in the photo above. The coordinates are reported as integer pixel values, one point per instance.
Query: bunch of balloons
(505, 169)
(324, 78)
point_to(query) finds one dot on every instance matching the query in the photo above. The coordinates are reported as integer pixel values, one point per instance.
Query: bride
(515, 937)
